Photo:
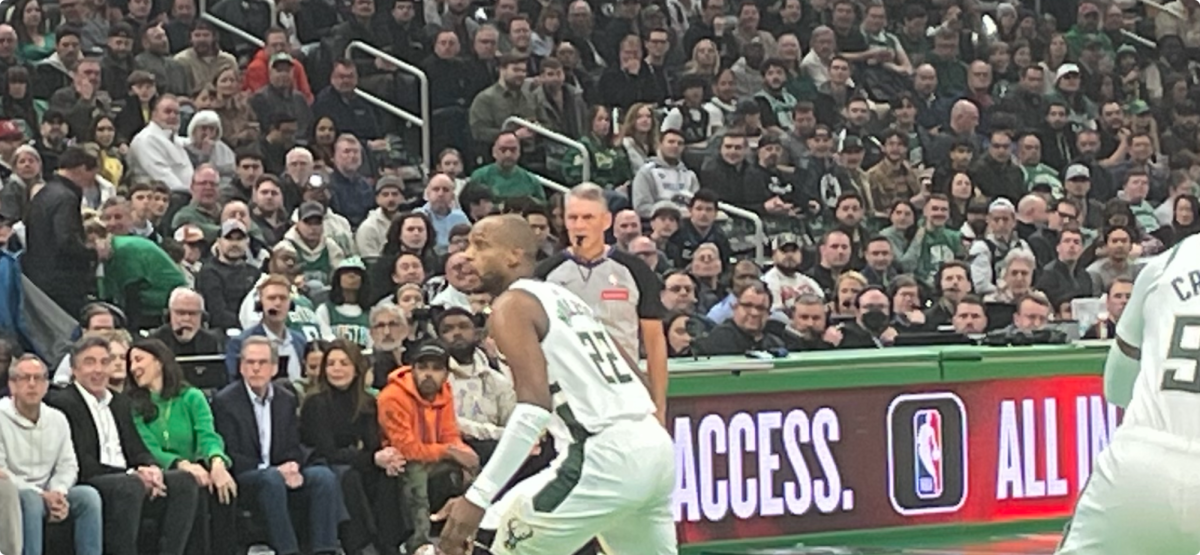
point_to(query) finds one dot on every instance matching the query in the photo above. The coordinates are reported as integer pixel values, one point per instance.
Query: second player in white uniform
(614, 476)
(1144, 492)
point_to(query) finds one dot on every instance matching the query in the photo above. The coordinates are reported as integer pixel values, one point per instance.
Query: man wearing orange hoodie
(416, 414)
(258, 71)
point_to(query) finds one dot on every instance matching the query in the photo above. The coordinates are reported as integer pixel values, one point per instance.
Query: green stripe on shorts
(567, 477)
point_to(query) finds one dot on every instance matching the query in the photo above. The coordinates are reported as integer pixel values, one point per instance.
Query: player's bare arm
(518, 323)
(654, 338)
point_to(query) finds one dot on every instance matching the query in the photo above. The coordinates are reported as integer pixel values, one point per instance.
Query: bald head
(8, 41)
(506, 232)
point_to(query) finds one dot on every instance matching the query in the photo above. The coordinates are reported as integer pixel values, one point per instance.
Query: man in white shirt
(113, 458)
(154, 153)
(785, 280)
(461, 280)
(38, 456)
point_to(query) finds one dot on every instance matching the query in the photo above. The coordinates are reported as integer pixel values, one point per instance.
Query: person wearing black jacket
(113, 458)
(807, 329)
(340, 424)
(872, 327)
(228, 277)
(183, 333)
(746, 330)
(995, 173)
(699, 228)
(1065, 278)
(56, 257)
(632, 81)
(270, 474)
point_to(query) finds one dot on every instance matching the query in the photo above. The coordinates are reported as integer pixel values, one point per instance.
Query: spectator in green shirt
(933, 244)
(176, 424)
(138, 275)
(506, 179)
(609, 161)
(951, 71)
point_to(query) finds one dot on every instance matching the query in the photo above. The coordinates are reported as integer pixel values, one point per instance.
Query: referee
(620, 288)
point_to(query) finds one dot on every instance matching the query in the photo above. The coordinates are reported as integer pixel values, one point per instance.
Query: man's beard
(388, 344)
(462, 351)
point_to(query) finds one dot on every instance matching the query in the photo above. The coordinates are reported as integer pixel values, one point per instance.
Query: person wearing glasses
(746, 330)
(37, 455)
(184, 333)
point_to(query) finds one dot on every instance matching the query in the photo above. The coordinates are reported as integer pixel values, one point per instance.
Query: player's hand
(462, 521)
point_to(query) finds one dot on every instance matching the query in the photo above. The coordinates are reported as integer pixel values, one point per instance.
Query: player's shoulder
(551, 263)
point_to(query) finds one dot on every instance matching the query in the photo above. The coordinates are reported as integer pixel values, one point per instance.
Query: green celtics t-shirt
(351, 328)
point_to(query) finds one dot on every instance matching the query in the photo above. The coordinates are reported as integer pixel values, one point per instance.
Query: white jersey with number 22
(592, 385)
(1163, 320)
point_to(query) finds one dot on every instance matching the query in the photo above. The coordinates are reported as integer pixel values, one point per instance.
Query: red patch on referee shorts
(615, 294)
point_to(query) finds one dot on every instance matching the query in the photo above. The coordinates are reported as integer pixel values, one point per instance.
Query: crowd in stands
(281, 339)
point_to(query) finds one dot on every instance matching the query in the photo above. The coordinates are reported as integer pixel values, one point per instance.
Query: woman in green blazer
(176, 424)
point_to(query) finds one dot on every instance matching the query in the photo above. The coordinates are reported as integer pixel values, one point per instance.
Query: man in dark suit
(262, 435)
(114, 460)
(56, 257)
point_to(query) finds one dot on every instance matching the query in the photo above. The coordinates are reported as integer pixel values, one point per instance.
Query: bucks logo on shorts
(515, 533)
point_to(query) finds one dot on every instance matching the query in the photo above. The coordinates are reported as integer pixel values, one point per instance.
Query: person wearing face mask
(227, 278)
(138, 275)
(184, 333)
(872, 325)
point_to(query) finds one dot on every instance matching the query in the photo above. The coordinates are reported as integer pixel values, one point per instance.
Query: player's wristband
(523, 431)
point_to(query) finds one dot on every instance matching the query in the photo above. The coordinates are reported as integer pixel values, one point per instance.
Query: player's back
(591, 383)
(1165, 325)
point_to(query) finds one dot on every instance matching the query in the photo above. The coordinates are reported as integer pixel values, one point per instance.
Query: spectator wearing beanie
(205, 144)
(24, 181)
(53, 142)
(372, 234)
(345, 315)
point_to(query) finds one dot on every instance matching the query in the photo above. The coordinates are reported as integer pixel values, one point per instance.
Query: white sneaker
(260, 550)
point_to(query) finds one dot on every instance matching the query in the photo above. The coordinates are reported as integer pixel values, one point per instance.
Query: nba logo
(927, 445)
(927, 453)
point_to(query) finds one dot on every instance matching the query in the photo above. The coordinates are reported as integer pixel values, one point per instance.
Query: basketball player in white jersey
(567, 369)
(1144, 492)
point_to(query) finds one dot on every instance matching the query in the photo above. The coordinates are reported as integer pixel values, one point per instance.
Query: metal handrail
(423, 121)
(551, 184)
(1139, 39)
(230, 28)
(760, 233)
(558, 138)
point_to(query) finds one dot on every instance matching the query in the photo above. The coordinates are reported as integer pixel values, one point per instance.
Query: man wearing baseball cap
(227, 278)
(1086, 30)
(417, 417)
(372, 234)
(318, 254)
(998, 240)
(280, 93)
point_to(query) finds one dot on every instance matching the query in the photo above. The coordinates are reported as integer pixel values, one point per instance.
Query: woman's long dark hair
(394, 246)
(358, 388)
(89, 135)
(172, 378)
(337, 295)
(1182, 231)
(17, 20)
(912, 229)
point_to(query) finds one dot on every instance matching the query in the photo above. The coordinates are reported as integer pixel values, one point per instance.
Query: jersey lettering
(603, 354)
(1183, 357)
